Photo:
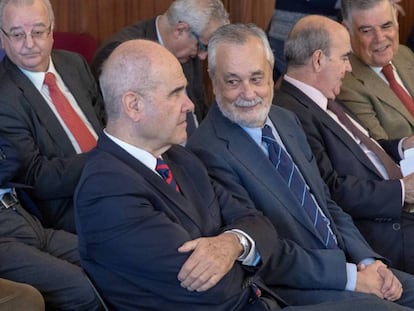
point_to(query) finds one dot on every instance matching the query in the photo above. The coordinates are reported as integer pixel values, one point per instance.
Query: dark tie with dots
(164, 170)
(290, 174)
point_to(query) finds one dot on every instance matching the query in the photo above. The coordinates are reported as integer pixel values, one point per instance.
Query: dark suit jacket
(373, 101)
(49, 161)
(235, 160)
(147, 30)
(130, 224)
(356, 185)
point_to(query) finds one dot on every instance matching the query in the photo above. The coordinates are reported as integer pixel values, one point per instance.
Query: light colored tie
(398, 89)
(76, 126)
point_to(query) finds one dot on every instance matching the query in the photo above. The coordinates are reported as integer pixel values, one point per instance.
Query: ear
(133, 104)
(181, 28)
(318, 59)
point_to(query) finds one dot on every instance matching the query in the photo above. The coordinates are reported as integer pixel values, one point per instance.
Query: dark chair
(81, 43)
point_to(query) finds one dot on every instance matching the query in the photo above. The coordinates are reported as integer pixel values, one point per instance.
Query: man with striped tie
(260, 154)
(155, 233)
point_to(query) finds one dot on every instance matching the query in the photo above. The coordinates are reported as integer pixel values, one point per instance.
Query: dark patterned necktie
(291, 176)
(393, 171)
(164, 170)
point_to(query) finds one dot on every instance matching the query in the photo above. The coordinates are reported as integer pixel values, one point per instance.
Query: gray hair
(236, 34)
(348, 6)
(47, 3)
(302, 43)
(197, 13)
(127, 71)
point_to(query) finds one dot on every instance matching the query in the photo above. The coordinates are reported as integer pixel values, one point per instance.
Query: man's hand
(392, 288)
(211, 259)
(369, 281)
(409, 188)
(377, 279)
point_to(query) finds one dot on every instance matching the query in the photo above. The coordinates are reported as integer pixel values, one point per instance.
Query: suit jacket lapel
(372, 81)
(156, 181)
(406, 72)
(44, 114)
(330, 124)
(245, 150)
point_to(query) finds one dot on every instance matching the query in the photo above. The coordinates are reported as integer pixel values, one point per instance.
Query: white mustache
(247, 103)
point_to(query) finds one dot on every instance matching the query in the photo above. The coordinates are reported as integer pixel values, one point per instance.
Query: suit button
(396, 226)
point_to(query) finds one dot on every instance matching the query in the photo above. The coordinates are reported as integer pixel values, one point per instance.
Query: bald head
(143, 86)
(135, 65)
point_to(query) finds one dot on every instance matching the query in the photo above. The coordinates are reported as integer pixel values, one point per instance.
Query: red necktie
(390, 166)
(398, 89)
(72, 120)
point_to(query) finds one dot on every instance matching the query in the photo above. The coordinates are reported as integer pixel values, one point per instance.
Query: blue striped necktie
(164, 170)
(290, 174)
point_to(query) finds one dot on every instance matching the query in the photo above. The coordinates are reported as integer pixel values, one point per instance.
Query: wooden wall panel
(102, 18)
(406, 22)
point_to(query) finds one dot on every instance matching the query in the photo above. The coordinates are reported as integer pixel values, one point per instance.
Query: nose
(378, 34)
(348, 66)
(248, 91)
(187, 105)
(28, 41)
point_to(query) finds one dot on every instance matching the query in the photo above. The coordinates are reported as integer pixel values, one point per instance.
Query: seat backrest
(81, 43)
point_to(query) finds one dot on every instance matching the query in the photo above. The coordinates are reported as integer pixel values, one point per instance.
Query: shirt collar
(310, 91)
(141, 155)
(38, 77)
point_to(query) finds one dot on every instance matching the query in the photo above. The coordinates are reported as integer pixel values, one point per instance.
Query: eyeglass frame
(200, 45)
(47, 32)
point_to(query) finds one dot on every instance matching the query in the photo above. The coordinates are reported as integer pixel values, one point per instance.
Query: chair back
(81, 43)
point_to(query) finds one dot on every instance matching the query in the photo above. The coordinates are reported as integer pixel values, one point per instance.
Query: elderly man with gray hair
(380, 88)
(184, 29)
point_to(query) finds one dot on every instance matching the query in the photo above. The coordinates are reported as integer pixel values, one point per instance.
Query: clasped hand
(377, 279)
(210, 260)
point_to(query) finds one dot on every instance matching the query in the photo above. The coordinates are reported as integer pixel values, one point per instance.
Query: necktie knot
(388, 72)
(267, 135)
(50, 80)
(164, 170)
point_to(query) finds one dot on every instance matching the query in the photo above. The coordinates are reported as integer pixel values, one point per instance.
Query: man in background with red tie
(380, 88)
(50, 108)
(362, 178)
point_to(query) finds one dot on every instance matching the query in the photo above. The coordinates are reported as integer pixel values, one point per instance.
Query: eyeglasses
(18, 36)
(201, 46)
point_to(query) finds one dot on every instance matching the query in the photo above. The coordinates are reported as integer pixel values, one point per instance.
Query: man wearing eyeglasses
(50, 108)
(184, 29)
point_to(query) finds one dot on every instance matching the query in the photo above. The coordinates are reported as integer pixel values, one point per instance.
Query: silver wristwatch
(245, 243)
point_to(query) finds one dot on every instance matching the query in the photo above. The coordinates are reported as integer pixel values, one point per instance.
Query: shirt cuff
(351, 273)
(253, 257)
